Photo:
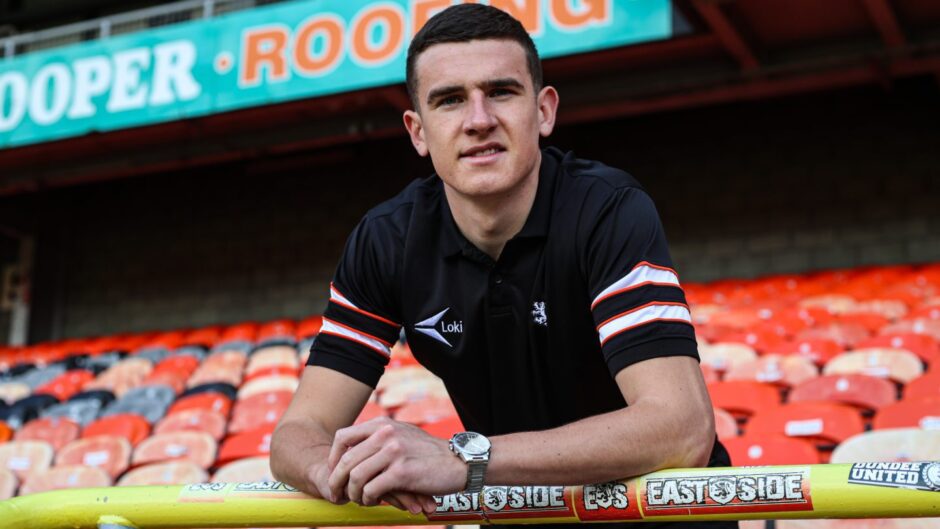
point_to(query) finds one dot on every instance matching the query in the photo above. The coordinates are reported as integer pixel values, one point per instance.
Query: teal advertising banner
(266, 55)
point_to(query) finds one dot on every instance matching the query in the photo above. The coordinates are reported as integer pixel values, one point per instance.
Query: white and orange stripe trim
(661, 311)
(644, 273)
(337, 297)
(344, 331)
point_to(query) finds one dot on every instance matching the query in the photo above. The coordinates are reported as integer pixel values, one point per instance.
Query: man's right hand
(318, 478)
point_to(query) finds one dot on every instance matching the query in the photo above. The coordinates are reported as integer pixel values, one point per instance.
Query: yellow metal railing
(862, 490)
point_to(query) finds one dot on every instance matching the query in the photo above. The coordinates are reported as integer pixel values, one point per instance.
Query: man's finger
(392, 500)
(409, 502)
(339, 476)
(347, 438)
(364, 471)
(383, 484)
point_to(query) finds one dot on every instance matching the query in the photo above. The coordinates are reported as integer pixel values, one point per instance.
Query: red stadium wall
(830, 180)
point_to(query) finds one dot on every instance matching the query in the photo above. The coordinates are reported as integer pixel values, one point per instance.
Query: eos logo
(606, 496)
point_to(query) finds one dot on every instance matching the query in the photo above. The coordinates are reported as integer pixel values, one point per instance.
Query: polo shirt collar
(452, 242)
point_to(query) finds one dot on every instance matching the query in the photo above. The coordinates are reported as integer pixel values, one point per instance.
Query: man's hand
(393, 461)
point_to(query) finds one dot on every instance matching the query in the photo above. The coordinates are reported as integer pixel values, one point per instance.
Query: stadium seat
(923, 412)
(861, 391)
(831, 303)
(81, 412)
(251, 469)
(278, 332)
(225, 367)
(709, 374)
(152, 411)
(309, 327)
(8, 484)
(925, 347)
(65, 477)
(56, 431)
(246, 444)
(770, 449)
(172, 473)
(272, 356)
(724, 356)
(247, 418)
(763, 340)
(427, 410)
(370, 411)
(13, 391)
(25, 457)
(900, 444)
(412, 390)
(223, 388)
(896, 364)
(130, 426)
(926, 326)
(775, 369)
(743, 398)
(66, 385)
(104, 397)
(726, 426)
(204, 337)
(26, 409)
(267, 385)
(195, 420)
(209, 400)
(818, 351)
(926, 385)
(826, 424)
(108, 452)
(845, 334)
(271, 371)
(5, 432)
(122, 376)
(444, 429)
(196, 447)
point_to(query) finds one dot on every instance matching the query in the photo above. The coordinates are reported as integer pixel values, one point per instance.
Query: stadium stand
(823, 371)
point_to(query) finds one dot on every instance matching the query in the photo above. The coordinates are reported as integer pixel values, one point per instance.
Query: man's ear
(548, 110)
(416, 131)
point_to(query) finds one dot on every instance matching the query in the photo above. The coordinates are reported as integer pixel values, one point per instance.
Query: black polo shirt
(530, 341)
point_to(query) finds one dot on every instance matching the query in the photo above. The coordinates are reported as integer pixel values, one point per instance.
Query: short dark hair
(466, 22)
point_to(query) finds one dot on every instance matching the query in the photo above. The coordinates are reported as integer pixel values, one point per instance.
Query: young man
(538, 286)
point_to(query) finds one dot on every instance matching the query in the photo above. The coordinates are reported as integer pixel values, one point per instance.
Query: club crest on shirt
(539, 316)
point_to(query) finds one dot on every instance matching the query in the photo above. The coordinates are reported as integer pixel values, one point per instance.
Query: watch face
(472, 443)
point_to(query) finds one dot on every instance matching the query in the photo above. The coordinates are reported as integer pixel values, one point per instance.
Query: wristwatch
(474, 450)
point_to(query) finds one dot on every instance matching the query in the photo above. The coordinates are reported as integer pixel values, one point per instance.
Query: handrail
(861, 490)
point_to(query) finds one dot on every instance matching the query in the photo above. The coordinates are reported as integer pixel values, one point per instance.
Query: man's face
(478, 115)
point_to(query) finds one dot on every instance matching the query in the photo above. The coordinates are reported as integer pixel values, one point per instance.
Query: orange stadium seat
(845, 334)
(242, 332)
(427, 410)
(899, 444)
(246, 444)
(278, 331)
(709, 374)
(445, 428)
(247, 418)
(8, 484)
(870, 321)
(194, 420)
(271, 371)
(5, 432)
(743, 398)
(210, 400)
(775, 369)
(110, 453)
(831, 303)
(66, 385)
(861, 391)
(130, 426)
(172, 473)
(371, 411)
(263, 401)
(175, 381)
(763, 340)
(272, 356)
(65, 477)
(925, 347)
(196, 447)
(250, 469)
(726, 426)
(818, 351)
(926, 385)
(926, 326)
(206, 336)
(824, 423)
(25, 457)
(309, 327)
(895, 364)
(923, 412)
(56, 431)
(770, 449)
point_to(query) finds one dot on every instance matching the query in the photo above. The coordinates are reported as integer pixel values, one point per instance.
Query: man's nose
(479, 118)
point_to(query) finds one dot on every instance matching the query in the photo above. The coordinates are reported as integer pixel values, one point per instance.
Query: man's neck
(489, 222)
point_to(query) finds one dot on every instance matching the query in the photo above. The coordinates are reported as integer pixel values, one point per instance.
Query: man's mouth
(482, 151)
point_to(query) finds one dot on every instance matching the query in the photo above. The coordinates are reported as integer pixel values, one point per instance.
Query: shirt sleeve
(638, 305)
(361, 322)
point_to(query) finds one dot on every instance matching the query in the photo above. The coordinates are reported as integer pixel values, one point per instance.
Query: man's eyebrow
(442, 91)
(505, 82)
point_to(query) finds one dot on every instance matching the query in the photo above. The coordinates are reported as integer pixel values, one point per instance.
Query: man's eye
(497, 92)
(449, 100)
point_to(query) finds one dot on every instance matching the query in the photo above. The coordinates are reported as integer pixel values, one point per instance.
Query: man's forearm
(295, 448)
(615, 445)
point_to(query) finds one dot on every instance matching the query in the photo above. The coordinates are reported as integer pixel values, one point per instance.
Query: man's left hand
(370, 460)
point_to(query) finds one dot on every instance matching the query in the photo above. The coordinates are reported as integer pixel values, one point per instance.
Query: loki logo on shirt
(438, 327)
(901, 475)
